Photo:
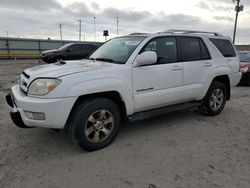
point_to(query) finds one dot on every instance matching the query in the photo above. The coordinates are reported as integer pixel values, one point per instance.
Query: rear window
(224, 46)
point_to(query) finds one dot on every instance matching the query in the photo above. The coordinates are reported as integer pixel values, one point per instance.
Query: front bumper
(47, 59)
(56, 110)
(14, 114)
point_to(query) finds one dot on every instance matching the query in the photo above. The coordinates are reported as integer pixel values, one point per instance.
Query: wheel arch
(111, 95)
(226, 81)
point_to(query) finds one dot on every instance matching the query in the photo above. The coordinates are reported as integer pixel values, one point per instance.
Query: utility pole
(60, 27)
(7, 34)
(117, 25)
(80, 29)
(238, 8)
(94, 28)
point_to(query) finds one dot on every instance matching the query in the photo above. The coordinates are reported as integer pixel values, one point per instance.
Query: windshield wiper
(105, 59)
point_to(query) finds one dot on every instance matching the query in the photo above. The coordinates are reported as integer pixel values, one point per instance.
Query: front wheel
(215, 99)
(95, 123)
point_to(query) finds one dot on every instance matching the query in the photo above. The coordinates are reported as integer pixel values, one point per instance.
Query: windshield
(244, 56)
(64, 47)
(117, 50)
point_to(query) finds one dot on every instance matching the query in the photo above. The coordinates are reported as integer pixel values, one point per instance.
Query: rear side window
(193, 49)
(204, 51)
(224, 46)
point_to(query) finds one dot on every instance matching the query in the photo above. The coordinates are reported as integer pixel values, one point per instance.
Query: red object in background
(245, 67)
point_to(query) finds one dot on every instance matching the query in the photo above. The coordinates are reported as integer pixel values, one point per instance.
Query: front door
(159, 84)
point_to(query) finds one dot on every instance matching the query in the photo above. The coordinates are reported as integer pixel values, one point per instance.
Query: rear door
(197, 65)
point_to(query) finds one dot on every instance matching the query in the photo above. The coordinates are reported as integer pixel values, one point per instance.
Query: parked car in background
(245, 67)
(71, 51)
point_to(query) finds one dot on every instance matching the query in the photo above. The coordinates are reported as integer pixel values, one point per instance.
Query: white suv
(128, 78)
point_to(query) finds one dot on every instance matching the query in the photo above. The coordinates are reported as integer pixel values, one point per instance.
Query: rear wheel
(95, 123)
(215, 99)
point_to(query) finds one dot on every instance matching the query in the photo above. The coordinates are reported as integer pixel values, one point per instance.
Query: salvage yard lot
(180, 149)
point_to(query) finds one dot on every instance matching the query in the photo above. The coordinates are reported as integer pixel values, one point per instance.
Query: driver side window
(165, 48)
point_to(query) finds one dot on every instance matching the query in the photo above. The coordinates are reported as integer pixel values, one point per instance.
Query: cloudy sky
(41, 18)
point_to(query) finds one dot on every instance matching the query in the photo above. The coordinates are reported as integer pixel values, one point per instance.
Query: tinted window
(165, 49)
(224, 46)
(75, 47)
(204, 51)
(190, 49)
(193, 49)
(66, 46)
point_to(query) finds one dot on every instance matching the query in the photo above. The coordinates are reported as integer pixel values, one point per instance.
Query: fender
(104, 85)
(218, 71)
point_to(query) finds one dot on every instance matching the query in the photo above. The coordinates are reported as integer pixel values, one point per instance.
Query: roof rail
(192, 32)
(139, 34)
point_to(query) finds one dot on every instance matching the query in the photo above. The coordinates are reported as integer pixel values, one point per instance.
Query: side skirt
(148, 114)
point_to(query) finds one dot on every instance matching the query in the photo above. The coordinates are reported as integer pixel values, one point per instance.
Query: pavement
(183, 149)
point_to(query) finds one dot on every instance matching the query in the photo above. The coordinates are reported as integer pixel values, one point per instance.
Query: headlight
(243, 69)
(43, 86)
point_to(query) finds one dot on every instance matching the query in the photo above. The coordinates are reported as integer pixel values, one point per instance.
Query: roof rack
(139, 34)
(191, 32)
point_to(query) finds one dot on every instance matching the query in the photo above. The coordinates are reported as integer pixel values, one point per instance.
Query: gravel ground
(181, 149)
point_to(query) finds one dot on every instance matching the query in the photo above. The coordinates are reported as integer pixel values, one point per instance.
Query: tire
(58, 59)
(95, 123)
(215, 99)
(247, 79)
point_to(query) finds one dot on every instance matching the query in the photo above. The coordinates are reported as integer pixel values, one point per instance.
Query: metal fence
(32, 48)
(28, 48)
(242, 47)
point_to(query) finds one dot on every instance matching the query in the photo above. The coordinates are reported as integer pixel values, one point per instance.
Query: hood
(59, 69)
(47, 51)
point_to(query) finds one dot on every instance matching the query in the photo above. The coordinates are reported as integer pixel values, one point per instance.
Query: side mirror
(69, 50)
(146, 58)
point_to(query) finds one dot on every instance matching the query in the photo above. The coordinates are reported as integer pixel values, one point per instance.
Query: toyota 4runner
(128, 78)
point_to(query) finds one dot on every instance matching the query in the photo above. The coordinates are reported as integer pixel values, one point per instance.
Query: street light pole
(238, 8)
(60, 27)
(80, 29)
(94, 29)
(117, 25)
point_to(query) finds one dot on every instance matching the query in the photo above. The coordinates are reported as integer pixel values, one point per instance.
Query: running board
(148, 114)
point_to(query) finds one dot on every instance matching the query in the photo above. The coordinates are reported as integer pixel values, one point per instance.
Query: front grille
(23, 82)
(26, 75)
(24, 92)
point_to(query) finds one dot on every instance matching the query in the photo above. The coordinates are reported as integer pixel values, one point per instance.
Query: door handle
(208, 64)
(176, 68)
